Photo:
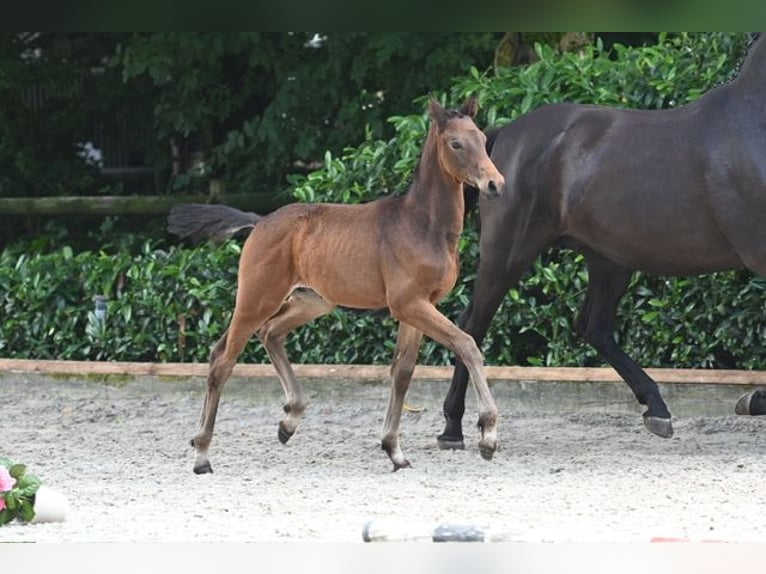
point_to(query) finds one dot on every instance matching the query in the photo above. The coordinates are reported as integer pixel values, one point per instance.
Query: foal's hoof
(753, 403)
(487, 451)
(203, 468)
(283, 434)
(659, 426)
(405, 464)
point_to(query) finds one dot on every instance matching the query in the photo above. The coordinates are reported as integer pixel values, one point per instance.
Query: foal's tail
(198, 221)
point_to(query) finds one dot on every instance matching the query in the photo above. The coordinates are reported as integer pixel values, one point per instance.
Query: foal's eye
(455, 144)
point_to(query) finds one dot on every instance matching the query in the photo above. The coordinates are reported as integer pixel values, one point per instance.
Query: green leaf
(27, 512)
(6, 516)
(17, 470)
(29, 485)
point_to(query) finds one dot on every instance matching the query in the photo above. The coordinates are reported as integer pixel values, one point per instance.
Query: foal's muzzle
(493, 189)
(493, 186)
(489, 181)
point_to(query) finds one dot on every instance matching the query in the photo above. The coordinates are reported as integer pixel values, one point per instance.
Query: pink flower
(6, 483)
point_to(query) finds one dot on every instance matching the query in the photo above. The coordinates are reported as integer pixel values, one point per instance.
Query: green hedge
(172, 304)
(49, 307)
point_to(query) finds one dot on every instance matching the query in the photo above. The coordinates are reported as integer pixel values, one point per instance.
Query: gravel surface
(574, 463)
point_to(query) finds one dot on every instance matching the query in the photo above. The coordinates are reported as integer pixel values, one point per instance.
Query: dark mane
(744, 58)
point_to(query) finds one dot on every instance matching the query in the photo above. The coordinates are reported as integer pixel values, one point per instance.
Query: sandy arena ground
(574, 463)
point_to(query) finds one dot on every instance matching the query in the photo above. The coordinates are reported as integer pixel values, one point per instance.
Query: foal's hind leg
(223, 357)
(255, 304)
(607, 282)
(405, 357)
(300, 308)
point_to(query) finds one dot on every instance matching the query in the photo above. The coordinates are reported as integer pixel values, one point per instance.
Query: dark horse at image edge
(677, 192)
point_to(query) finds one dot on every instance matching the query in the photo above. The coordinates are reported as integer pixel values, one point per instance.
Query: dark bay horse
(302, 260)
(676, 192)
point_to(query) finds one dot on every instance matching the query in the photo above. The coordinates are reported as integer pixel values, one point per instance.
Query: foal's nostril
(493, 189)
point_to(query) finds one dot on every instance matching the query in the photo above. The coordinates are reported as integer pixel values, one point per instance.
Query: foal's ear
(470, 107)
(437, 113)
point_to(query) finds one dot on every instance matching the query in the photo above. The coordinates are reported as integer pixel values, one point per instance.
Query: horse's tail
(198, 221)
(471, 194)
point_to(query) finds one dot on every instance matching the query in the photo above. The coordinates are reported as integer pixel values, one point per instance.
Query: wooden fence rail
(260, 202)
(381, 372)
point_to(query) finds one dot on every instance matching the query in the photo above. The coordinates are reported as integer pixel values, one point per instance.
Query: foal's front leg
(302, 306)
(425, 317)
(405, 357)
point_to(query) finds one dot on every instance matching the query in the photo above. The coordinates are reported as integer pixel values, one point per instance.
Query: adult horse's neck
(752, 74)
(436, 191)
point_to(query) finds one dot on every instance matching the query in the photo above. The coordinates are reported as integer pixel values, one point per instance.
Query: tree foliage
(245, 109)
(263, 105)
(55, 92)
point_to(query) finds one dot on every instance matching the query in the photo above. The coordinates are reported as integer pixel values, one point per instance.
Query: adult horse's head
(462, 148)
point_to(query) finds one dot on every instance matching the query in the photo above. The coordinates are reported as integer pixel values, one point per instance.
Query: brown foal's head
(462, 149)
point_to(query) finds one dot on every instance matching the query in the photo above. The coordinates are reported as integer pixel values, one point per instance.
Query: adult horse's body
(674, 192)
(301, 261)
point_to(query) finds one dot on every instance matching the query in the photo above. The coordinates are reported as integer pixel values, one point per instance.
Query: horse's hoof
(405, 464)
(203, 468)
(753, 403)
(283, 434)
(447, 442)
(659, 426)
(743, 404)
(452, 437)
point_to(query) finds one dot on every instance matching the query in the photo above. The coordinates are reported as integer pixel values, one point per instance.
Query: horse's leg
(607, 282)
(754, 402)
(300, 308)
(260, 295)
(405, 357)
(223, 357)
(500, 268)
(492, 283)
(423, 316)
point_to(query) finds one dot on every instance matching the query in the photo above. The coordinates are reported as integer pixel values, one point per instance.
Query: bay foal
(302, 260)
